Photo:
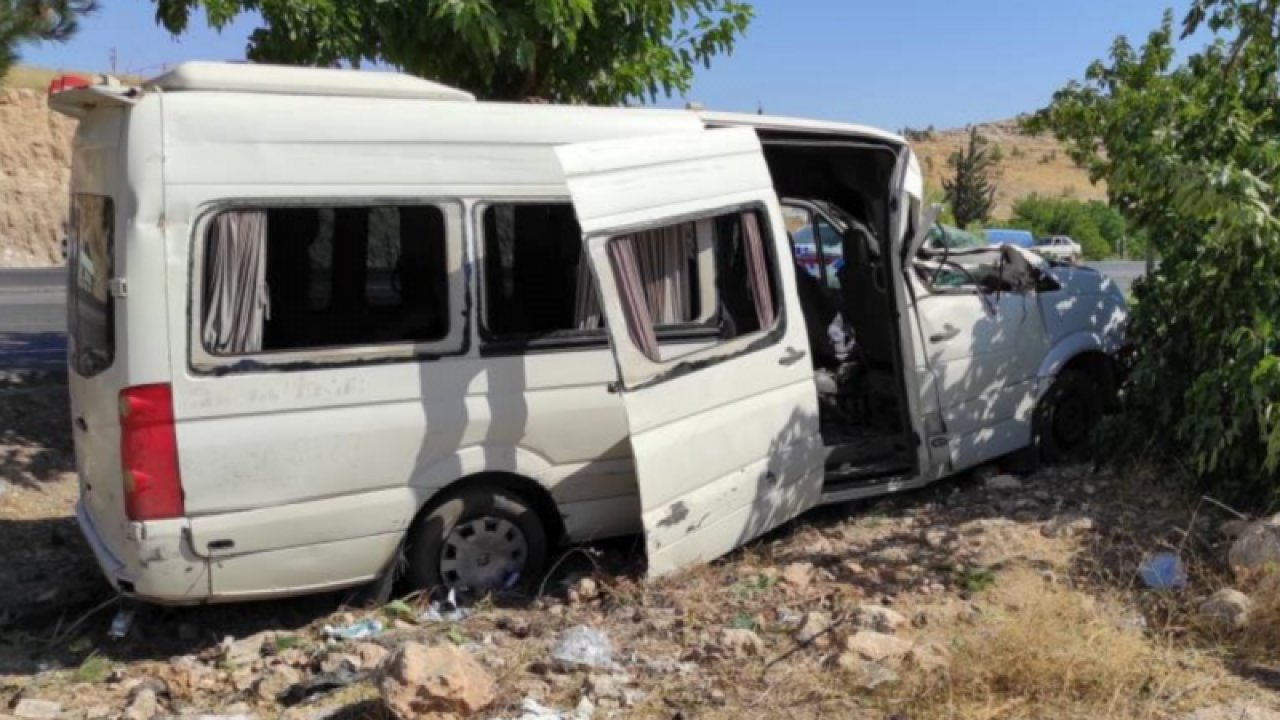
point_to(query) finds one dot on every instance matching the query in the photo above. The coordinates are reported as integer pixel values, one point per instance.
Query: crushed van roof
(289, 80)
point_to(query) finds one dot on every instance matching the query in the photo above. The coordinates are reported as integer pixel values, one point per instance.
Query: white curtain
(235, 292)
(662, 262)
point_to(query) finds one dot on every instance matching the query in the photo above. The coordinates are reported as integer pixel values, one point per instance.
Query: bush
(1097, 227)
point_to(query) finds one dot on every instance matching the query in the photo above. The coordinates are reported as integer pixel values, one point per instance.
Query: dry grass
(31, 78)
(1044, 650)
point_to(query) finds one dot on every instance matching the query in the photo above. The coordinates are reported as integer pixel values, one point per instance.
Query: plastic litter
(448, 611)
(1163, 571)
(581, 645)
(531, 709)
(367, 628)
(121, 623)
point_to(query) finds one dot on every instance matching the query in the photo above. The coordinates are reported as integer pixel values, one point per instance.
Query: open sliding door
(725, 438)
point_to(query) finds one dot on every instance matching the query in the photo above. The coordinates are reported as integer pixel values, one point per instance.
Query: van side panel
(261, 449)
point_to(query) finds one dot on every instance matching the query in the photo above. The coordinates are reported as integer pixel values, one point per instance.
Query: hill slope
(1031, 164)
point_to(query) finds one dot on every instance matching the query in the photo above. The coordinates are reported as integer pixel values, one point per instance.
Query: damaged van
(328, 327)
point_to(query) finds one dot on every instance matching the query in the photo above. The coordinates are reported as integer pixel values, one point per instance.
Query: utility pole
(112, 56)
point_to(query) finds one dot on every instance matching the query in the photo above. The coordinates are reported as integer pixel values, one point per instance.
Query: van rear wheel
(479, 540)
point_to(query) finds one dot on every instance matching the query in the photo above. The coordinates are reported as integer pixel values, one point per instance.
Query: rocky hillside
(35, 167)
(1030, 164)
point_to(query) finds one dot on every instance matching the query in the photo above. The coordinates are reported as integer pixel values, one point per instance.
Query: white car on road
(1059, 247)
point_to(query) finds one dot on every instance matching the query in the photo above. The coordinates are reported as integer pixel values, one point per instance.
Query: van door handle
(80, 423)
(791, 357)
(947, 333)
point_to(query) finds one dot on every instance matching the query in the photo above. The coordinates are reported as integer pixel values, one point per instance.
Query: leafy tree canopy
(1191, 156)
(23, 21)
(596, 51)
(1098, 228)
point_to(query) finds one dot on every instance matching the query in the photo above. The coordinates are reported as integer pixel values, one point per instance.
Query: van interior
(836, 199)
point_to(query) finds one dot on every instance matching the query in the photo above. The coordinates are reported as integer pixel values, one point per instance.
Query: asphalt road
(1124, 272)
(33, 318)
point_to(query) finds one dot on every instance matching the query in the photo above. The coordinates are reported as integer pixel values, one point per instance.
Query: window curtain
(626, 269)
(235, 292)
(662, 260)
(758, 270)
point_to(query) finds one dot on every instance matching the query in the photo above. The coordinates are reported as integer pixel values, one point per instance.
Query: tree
(23, 21)
(969, 190)
(1097, 227)
(596, 51)
(1191, 157)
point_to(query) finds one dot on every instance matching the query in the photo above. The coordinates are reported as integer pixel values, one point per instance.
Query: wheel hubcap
(487, 553)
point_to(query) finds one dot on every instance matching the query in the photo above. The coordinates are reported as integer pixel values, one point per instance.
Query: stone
(880, 619)
(606, 686)
(866, 675)
(583, 591)
(798, 575)
(1228, 609)
(814, 629)
(336, 662)
(185, 675)
(929, 657)
(275, 681)
(1257, 550)
(876, 646)
(371, 655)
(741, 642)
(33, 709)
(517, 626)
(1233, 528)
(244, 651)
(1066, 525)
(1238, 710)
(1002, 483)
(421, 680)
(98, 712)
(144, 705)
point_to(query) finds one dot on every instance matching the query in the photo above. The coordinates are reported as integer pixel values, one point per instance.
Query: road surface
(1124, 272)
(33, 312)
(33, 318)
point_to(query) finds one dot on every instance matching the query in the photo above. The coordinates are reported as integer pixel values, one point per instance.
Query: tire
(469, 541)
(1066, 416)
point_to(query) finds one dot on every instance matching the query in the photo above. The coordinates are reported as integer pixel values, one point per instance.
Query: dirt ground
(978, 598)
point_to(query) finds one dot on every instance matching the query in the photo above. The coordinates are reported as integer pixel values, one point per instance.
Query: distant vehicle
(1058, 247)
(1005, 236)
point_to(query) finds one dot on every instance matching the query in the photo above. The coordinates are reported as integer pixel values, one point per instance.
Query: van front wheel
(1067, 415)
(479, 540)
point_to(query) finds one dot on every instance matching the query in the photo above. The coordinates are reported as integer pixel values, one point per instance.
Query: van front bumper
(154, 563)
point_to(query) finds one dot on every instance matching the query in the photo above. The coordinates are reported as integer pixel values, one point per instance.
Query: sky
(886, 63)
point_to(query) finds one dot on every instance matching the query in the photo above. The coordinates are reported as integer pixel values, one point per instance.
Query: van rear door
(725, 438)
(93, 373)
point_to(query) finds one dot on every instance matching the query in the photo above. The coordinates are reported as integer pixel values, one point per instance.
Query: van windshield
(90, 306)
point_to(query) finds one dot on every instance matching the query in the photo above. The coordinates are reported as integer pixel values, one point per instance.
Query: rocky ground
(987, 597)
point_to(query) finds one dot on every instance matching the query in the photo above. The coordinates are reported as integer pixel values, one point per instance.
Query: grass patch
(1041, 650)
(94, 669)
(975, 579)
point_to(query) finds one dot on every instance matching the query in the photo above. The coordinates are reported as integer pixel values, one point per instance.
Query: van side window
(536, 283)
(746, 279)
(292, 278)
(90, 305)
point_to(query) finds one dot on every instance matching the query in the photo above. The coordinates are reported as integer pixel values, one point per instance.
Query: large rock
(1257, 550)
(1228, 609)
(144, 705)
(421, 682)
(880, 619)
(33, 709)
(35, 169)
(877, 647)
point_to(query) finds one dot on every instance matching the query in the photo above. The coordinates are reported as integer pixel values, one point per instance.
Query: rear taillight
(149, 453)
